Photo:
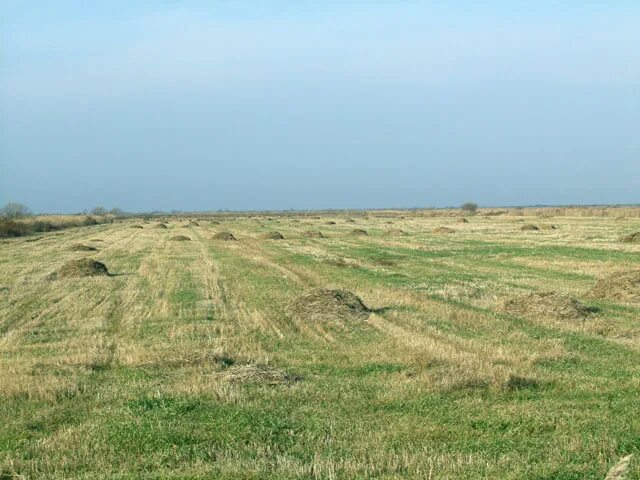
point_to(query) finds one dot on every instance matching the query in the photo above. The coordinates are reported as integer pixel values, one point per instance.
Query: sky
(297, 104)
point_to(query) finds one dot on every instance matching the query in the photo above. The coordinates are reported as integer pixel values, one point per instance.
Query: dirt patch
(180, 238)
(273, 236)
(82, 248)
(623, 286)
(227, 236)
(359, 231)
(529, 227)
(313, 234)
(326, 304)
(548, 305)
(631, 238)
(82, 267)
(443, 230)
(257, 373)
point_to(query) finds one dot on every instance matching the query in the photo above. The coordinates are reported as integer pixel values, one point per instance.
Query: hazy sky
(318, 104)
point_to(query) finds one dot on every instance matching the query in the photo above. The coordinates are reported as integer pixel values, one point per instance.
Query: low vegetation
(486, 353)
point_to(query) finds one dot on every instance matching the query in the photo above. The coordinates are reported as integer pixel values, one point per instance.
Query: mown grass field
(123, 377)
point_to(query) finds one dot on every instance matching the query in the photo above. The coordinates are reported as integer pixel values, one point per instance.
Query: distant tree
(99, 211)
(15, 210)
(469, 208)
(117, 212)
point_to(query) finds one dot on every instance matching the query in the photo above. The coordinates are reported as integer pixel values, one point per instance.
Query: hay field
(186, 361)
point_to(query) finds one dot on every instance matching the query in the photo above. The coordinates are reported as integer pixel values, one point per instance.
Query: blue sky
(337, 104)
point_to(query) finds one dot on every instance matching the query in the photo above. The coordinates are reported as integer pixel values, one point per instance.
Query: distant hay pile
(396, 231)
(313, 234)
(79, 247)
(136, 226)
(547, 305)
(161, 225)
(226, 236)
(275, 235)
(194, 224)
(529, 227)
(180, 238)
(326, 304)
(330, 222)
(359, 231)
(463, 220)
(443, 230)
(350, 220)
(631, 238)
(82, 267)
(548, 226)
(623, 286)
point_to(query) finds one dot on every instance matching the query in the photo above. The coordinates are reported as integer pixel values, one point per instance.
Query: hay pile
(330, 222)
(325, 304)
(548, 226)
(180, 238)
(547, 305)
(396, 231)
(443, 230)
(463, 220)
(257, 373)
(82, 267)
(529, 227)
(275, 235)
(194, 224)
(224, 236)
(623, 286)
(161, 225)
(631, 238)
(359, 231)
(313, 234)
(350, 220)
(82, 248)
(136, 226)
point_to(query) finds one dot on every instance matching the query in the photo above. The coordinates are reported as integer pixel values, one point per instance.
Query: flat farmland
(482, 349)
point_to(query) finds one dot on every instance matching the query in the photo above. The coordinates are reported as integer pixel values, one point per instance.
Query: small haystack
(623, 286)
(194, 224)
(547, 305)
(257, 373)
(161, 225)
(227, 236)
(548, 226)
(325, 304)
(529, 227)
(275, 235)
(359, 231)
(136, 226)
(443, 230)
(463, 220)
(79, 247)
(180, 238)
(330, 222)
(350, 220)
(396, 231)
(631, 238)
(82, 267)
(313, 234)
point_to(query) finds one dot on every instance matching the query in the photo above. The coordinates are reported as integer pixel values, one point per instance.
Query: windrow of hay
(529, 227)
(313, 234)
(275, 235)
(82, 267)
(257, 373)
(443, 230)
(547, 305)
(359, 231)
(180, 238)
(631, 238)
(79, 247)
(326, 304)
(624, 286)
(227, 236)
